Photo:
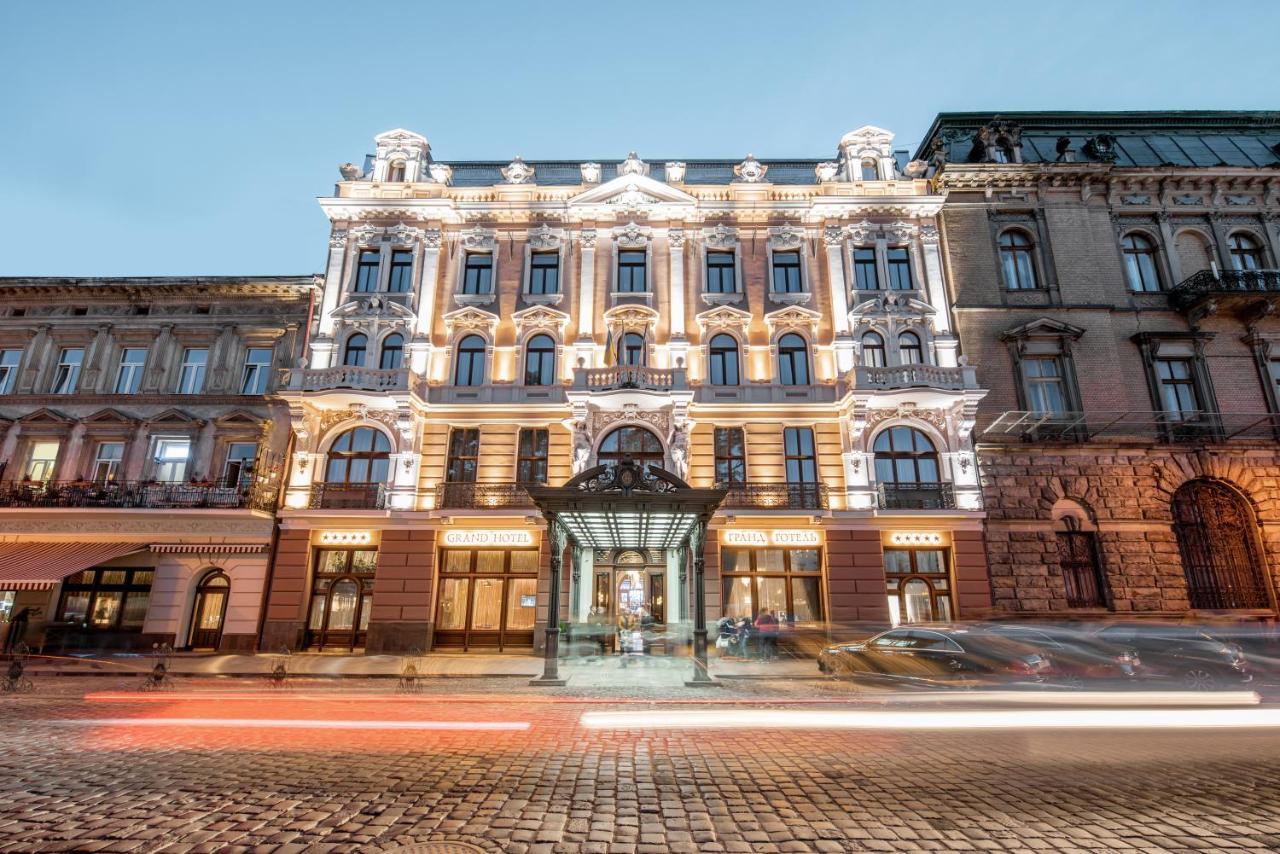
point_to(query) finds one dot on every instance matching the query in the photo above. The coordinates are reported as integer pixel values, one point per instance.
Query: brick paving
(68, 785)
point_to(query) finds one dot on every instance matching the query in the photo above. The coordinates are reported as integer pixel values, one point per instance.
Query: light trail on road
(277, 723)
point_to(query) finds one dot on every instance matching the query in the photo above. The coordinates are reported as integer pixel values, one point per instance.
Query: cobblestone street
(113, 771)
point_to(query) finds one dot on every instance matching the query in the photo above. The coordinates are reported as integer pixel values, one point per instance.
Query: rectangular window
(238, 467)
(919, 585)
(731, 456)
(44, 456)
(171, 459)
(367, 271)
(898, 259)
(464, 455)
(798, 451)
(787, 582)
(401, 279)
(1081, 572)
(107, 463)
(721, 271)
(531, 460)
(68, 374)
(1045, 385)
(257, 370)
(477, 273)
(865, 275)
(489, 600)
(631, 271)
(1178, 396)
(786, 272)
(106, 599)
(544, 273)
(191, 377)
(129, 375)
(9, 361)
(1273, 371)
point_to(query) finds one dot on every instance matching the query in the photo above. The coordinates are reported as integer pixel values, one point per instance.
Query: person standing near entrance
(18, 628)
(767, 627)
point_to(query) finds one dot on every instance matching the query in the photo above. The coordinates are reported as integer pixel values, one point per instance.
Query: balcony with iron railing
(1225, 286)
(482, 496)
(916, 496)
(135, 495)
(776, 496)
(346, 378)
(958, 378)
(348, 496)
(620, 377)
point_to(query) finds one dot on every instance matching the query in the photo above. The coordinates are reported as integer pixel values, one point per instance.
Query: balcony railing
(135, 495)
(1219, 284)
(629, 377)
(348, 496)
(482, 496)
(915, 376)
(916, 496)
(780, 496)
(346, 377)
(1145, 425)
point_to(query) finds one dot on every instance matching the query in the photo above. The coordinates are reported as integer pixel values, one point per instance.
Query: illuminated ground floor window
(106, 600)
(488, 598)
(919, 585)
(786, 582)
(341, 598)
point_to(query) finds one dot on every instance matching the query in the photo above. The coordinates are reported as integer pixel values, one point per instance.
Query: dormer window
(898, 260)
(401, 280)
(632, 271)
(395, 172)
(720, 273)
(477, 275)
(869, 171)
(367, 271)
(544, 273)
(786, 272)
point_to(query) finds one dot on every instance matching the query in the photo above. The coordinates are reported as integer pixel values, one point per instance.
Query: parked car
(929, 655)
(1182, 654)
(1077, 659)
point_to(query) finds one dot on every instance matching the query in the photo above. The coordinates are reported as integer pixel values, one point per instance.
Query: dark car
(936, 655)
(1077, 659)
(1182, 654)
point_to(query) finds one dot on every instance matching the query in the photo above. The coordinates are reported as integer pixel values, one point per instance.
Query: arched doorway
(1218, 538)
(209, 611)
(635, 443)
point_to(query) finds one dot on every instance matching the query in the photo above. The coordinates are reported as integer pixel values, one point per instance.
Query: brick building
(1114, 278)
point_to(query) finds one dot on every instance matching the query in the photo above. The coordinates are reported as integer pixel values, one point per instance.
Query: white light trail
(268, 723)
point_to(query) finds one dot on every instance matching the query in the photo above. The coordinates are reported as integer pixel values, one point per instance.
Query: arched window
(631, 349)
(1140, 262)
(793, 360)
(636, 443)
(1218, 538)
(869, 171)
(909, 350)
(392, 352)
(907, 470)
(1016, 260)
(469, 362)
(873, 350)
(540, 361)
(1079, 555)
(353, 355)
(359, 456)
(1246, 252)
(723, 357)
(395, 172)
(210, 607)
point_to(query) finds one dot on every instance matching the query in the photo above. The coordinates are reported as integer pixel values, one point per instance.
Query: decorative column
(944, 340)
(558, 537)
(420, 346)
(833, 237)
(697, 542)
(585, 346)
(677, 344)
(332, 281)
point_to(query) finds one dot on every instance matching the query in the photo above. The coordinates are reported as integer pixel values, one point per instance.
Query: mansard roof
(1146, 138)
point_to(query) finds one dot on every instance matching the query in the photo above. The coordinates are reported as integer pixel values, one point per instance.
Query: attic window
(395, 173)
(869, 172)
(79, 311)
(142, 308)
(18, 312)
(202, 309)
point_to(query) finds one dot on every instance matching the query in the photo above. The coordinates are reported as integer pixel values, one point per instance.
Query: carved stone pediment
(631, 317)
(632, 236)
(45, 416)
(720, 237)
(868, 141)
(545, 237)
(891, 305)
(480, 240)
(723, 318)
(470, 319)
(540, 318)
(174, 418)
(631, 191)
(786, 237)
(238, 418)
(750, 171)
(108, 418)
(517, 172)
(397, 235)
(792, 317)
(371, 307)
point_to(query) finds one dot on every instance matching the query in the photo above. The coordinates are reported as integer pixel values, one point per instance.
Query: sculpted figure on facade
(517, 172)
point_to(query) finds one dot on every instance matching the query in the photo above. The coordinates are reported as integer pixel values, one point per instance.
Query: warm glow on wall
(782, 538)
(507, 538)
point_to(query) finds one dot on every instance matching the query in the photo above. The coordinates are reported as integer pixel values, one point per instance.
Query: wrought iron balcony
(630, 377)
(914, 376)
(776, 496)
(1225, 285)
(346, 377)
(140, 495)
(1144, 425)
(348, 496)
(482, 496)
(916, 496)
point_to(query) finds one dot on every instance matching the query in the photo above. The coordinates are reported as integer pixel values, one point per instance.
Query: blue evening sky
(165, 138)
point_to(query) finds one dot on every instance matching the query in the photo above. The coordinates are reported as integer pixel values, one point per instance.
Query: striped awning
(41, 565)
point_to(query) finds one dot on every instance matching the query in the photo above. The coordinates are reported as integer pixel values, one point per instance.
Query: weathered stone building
(1114, 278)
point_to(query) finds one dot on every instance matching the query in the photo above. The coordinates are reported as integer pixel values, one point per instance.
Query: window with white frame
(368, 265)
(170, 459)
(786, 272)
(129, 374)
(400, 280)
(910, 351)
(67, 376)
(43, 459)
(632, 271)
(866, 275)
(544, 273)
(257, 370)
(873, 352)
(477, 274)
(1045, 384)
(108, 461)
(793, 360)
(9, 361)
(238, 467)
(898, 263)
(191, 375)
(721, 272)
